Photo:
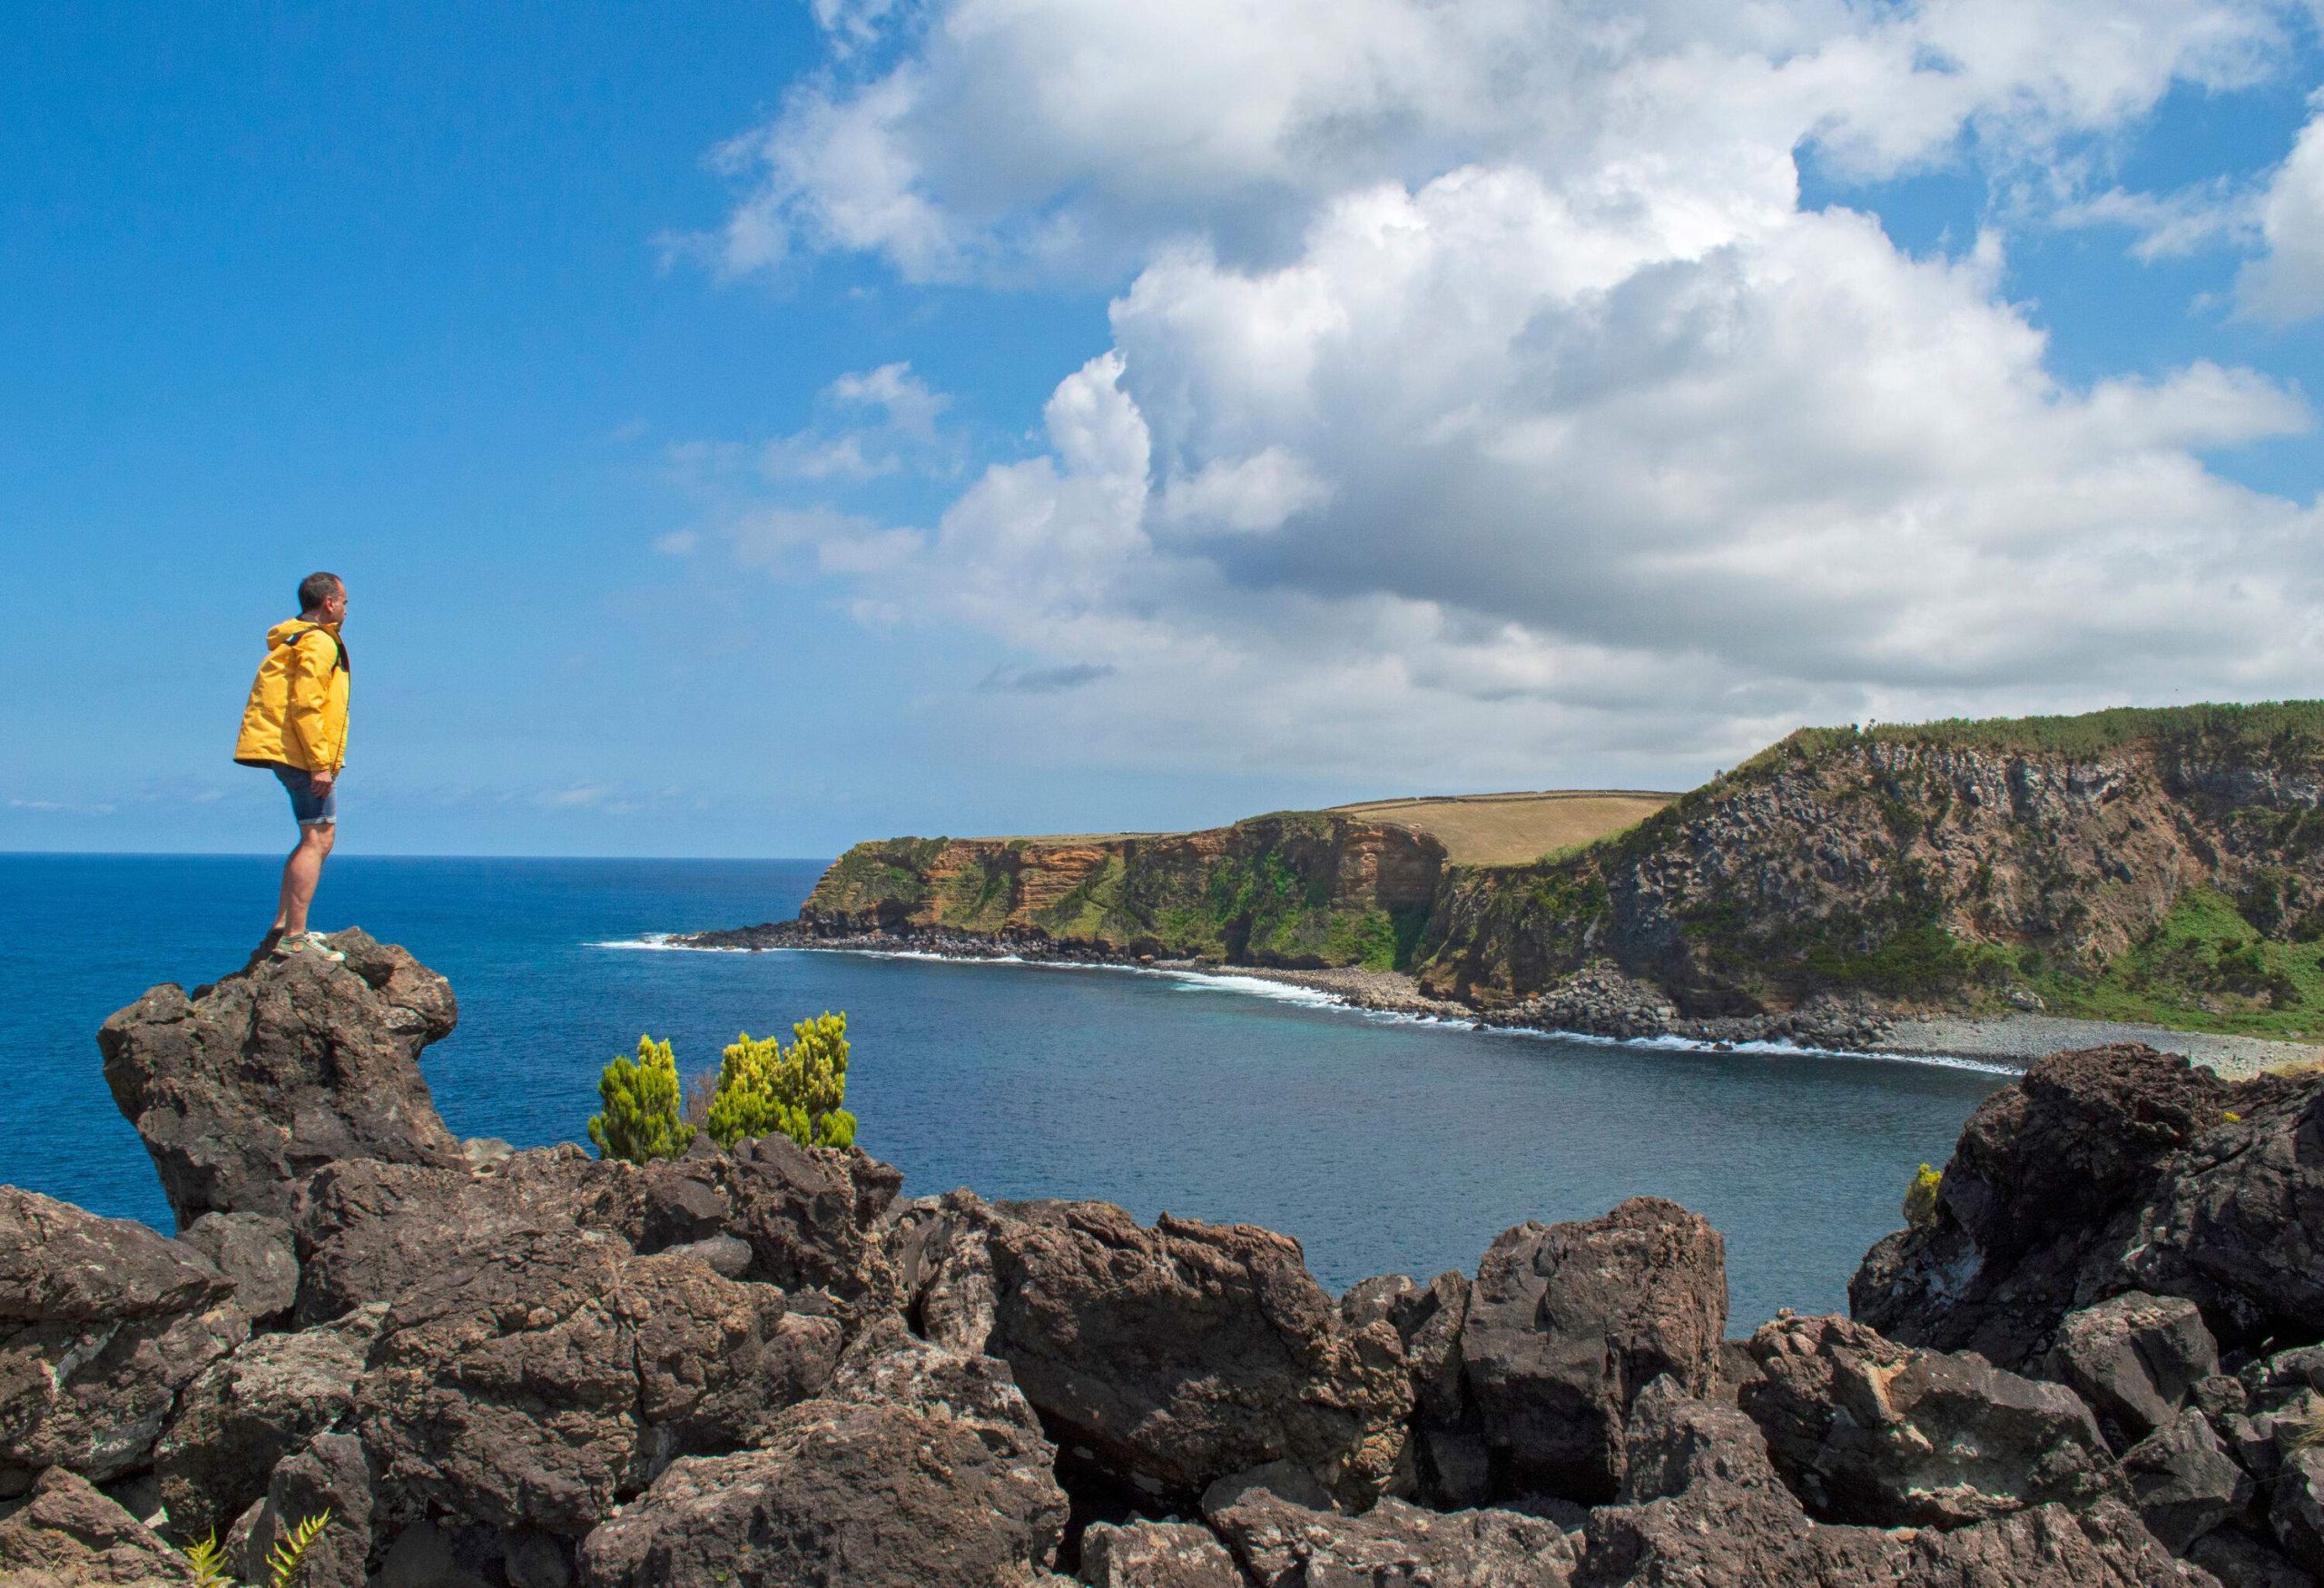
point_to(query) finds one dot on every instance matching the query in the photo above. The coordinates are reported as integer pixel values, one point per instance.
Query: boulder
(68, 1536)
(2240, 1561)
(2134, 1358)
(368, 1231)
(1164, 1358)
(2183, 1481)
(257, 1255)
(539, 1384)
(1715, 1515)
(251, 1409)
(1568, 1322)
(1455, 1469)
(102, 1323)
(2108, 1169)
(1393, 1545)
(812, 1217)
(2297, 1512)
(923, 1466)
(1156, 1554)
(1868, 1431)
(245, 1090)
(328, 1477)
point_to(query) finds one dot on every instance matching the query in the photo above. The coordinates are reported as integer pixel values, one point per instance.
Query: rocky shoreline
(1596, 1001)
(2092, 1357)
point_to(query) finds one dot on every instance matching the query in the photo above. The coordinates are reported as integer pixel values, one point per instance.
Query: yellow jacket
(298, 711)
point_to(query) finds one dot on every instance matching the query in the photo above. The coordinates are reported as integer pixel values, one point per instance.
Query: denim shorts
(313, 809)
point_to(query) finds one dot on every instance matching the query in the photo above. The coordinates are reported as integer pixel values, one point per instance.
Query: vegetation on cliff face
(1291, 888)
(2154, 864)
(2159, 864)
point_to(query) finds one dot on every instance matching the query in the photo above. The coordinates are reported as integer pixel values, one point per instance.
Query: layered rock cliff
(1938, 864)
(763, 1365)
(1293, 889)
(2159, 865)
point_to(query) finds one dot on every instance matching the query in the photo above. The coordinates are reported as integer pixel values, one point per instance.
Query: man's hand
(320, 781)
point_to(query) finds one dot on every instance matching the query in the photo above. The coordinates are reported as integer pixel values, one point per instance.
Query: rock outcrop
(2107, 1170)
(538, 1370)
(102, 1323)
(1169, 1358)
(1568, 1322)
(244, 1088)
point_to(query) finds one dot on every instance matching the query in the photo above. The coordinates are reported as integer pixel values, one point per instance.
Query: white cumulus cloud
(1481, 399)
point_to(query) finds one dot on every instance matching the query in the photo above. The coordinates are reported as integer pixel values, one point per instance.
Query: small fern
(208, 1563)
(291, 1553)
(208, 1558)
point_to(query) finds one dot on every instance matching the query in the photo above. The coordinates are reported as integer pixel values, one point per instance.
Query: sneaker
(307, 943)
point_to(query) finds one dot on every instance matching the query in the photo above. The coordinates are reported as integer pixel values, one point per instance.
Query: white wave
(662, 942)
(1257, 985)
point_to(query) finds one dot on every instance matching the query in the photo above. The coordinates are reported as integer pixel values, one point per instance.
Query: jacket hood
(290, 628)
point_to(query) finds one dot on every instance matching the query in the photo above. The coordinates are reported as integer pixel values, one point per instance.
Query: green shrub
(763, 1087)
(283, 1562)
(1920, 1196)
(641, 1120)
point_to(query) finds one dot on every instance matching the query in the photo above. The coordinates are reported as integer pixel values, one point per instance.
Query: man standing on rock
(295, 726)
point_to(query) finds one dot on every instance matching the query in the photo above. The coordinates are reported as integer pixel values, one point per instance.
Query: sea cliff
(2162, 866)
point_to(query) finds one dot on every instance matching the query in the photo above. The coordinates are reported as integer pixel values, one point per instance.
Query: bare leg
(300, 873)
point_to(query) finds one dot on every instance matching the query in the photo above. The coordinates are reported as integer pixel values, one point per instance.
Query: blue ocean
(1384, 1145)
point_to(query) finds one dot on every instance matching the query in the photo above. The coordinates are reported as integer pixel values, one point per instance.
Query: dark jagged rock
(537, 1385)
(1394, 1545)
(1568, 1322)
(292, 1064)
(102, 1324)
(68, 1536)
(2134, 1358)
(922, 1466)
(2112, 1170)
(1869, 1431)
(2297, 1512)
(258, 1256)
(252, 1409)
(1722, 1519)
(2240, 1561)
(1164, 1358)
(329, 1476)
(2183, 1481)
(1156, 1554)
(368, 1231)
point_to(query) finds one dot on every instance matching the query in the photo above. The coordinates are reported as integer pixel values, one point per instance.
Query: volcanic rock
(330, 1476)
(251, 1409)
(1568, 1322)
(68, 1536)
(537, 1385)
(2108, 1169)
(2183, 1481)
(1156, 1554)
(1722, 1519)
(258, 1257)
(922, 1466)
(2134, 1358)
(1166, 1357)
(1869, 1431)
(101, 1323)
(2297, 1512)
(273, 1072)
(1283, 1545)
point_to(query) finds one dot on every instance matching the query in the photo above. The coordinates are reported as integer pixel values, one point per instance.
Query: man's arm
(314, 656)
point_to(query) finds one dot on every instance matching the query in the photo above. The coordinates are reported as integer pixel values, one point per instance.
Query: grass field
(1512, 829)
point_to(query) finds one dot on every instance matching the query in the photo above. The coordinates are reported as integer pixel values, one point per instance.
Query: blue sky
(748, 428)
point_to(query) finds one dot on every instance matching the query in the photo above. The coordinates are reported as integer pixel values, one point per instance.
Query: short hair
(317, 589)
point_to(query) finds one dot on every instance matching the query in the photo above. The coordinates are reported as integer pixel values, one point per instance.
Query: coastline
(2013, 1039)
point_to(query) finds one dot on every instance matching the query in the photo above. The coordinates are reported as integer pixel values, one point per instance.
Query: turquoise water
(1382, 1145)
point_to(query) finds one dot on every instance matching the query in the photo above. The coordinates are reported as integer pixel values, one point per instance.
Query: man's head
(322, 597)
